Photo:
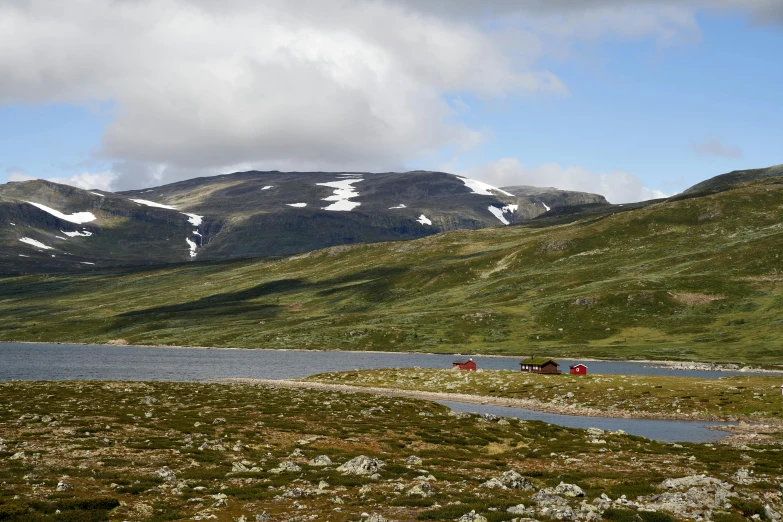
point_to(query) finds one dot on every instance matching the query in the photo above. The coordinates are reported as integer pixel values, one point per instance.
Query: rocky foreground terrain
(192, 451)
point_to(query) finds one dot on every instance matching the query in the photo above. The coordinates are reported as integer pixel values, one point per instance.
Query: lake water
(68, 362)
(665, 430)
(71, 361)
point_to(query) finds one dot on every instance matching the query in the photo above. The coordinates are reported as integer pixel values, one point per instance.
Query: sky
(630, 99)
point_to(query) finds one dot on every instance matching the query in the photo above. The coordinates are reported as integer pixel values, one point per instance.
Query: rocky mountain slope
(694, 278)
(47, 227)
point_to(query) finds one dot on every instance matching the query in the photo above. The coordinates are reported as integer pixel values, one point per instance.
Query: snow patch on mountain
(35, 243)
(83, 233)
(343, 192)
(484, 189)
(78, 218)
(498, 213)
(546, 207)
(297, 205)
(194, 219)
(86, 263)
(267, 187)
(97, 194)
(192, 245)
(423, 220)
(401, 205)
(152, 204)
(510, 209)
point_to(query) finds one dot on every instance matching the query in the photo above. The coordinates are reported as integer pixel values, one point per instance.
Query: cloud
(716, 148)
(198, 87)
(100, 181)
(616, 186)
(18, 176)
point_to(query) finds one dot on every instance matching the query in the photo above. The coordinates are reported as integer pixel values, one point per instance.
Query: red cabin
(465, 365)
(578, 369)
(540, 365)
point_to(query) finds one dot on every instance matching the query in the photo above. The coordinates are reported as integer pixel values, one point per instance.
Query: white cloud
(99, 181)
(203, 85)
(716, 148)
(200, 86)
(616, 186)
(18, 176)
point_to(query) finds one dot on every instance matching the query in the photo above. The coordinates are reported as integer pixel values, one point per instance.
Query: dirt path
(471, 399)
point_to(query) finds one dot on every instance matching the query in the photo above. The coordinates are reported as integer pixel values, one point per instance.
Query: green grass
(691, 279)
(748, 397)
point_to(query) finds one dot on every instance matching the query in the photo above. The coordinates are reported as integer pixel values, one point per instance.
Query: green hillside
(696, 278)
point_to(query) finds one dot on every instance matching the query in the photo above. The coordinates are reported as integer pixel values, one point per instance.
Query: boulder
(320, 461)
(167, 475)
(513, 480)
(413, 460)
(424, 489)
(472, 517)
(284, 467)
(361, 465)
(567, 490)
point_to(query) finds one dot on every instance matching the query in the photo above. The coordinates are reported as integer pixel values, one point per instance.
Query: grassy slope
(689, 279)
(747, 397)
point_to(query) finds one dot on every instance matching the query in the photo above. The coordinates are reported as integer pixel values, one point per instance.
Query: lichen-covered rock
(742, 476)
(472, 517)
(284, 467)
(167, 475)
(63, 486)
(361, 465)
(688, 482)
(424, 489)
(413, 460)
(239, 467)
(320, 461)
(568, 490)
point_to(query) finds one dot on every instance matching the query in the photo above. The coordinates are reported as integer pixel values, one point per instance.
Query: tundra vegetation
(751, 398)
(89, 451)
(695, 277)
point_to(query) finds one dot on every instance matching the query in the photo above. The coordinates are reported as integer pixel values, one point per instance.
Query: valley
(695, 277)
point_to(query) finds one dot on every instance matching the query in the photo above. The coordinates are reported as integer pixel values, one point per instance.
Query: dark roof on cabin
(539, 361)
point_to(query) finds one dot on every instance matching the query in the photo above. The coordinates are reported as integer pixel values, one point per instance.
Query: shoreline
(674, 365)
(527, 404)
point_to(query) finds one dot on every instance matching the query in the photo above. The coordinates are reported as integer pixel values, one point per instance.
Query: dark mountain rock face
(45, 226)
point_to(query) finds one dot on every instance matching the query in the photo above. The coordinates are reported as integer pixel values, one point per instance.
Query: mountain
(733, 179)
(695, 278)
(46, 227)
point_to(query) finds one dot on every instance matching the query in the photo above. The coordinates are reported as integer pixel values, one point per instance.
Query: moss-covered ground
(170, 451)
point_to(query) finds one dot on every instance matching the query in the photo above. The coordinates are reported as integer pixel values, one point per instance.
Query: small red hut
(539, 365)
(469, 365)
(578, 369)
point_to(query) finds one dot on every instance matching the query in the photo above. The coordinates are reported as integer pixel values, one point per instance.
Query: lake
(45, 361)
(129, 363)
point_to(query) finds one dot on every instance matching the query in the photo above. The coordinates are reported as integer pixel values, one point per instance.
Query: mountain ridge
(247, 214)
